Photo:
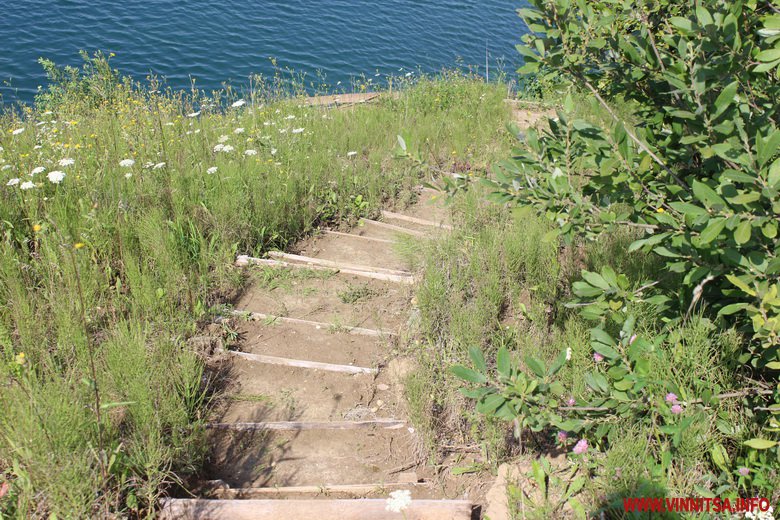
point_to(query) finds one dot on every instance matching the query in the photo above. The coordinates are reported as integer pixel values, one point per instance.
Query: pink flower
(581, 447)
(633, 338)
(598, 358)
(743, 471)
(562, 436)
(571, 401)
(671, 398)
(677, 409)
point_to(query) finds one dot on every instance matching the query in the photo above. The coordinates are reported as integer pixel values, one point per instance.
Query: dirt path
(314, 422)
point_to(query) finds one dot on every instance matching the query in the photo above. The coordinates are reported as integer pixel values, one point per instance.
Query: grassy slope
(104, 275)
(495, 281)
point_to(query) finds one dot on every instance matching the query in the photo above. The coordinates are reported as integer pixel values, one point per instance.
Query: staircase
(313, 425)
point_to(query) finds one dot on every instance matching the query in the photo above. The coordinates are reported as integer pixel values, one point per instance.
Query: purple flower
(671, 398)
(571, 401)
(677, 409)
(743, 471)
(562, 436)
(598, 358)
(581, 447)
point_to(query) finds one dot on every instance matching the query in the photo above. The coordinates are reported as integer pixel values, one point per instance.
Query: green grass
(104, 275)
(496, 281)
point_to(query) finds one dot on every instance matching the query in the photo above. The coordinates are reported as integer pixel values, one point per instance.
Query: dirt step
(278, 393)
(390, 216)
(309, 457)
(340, 300)
(352, 249)
(301, 341)
(405, 480)
(365, 509)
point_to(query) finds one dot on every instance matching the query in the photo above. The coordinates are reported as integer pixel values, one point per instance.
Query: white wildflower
(238, 103)
(250, 152)
(227, 148)
(298, 130)
(197, 131)
(158, 166)
(219, 147)
(273, 151)
(399, 501)
(238, 131)
(37, 147)
(36, 171)
(266, 123)
(126, 163)
(128, 175)
(67, 161)
(223, 139)
(212, 170)
(56, 176)
(351, 154)
(27, 185)
(12, 182)
(194, 114)
(290, 117)
(18, 131)
(282, 130)
(568, 354)
(7, 167)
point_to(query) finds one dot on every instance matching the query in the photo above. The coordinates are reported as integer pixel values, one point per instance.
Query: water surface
(227, 40)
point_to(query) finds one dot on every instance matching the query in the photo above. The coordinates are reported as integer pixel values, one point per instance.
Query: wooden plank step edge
(322, 509)
(325, 489)
(301, 363)
(392, 227)
(385, 424)
(351, 330)
(414, 220)
(338, 265)
(350, 235)
(243, 260)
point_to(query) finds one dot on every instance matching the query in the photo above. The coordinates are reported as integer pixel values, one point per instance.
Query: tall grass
(104, 275)
(496, 281)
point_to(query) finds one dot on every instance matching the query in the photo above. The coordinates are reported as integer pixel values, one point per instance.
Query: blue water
(216, 41)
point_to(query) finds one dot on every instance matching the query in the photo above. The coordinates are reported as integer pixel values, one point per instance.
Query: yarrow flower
(671, 398)
(219, 147)
(39, 169)
(128, 175)
(227, 148)
(13, 182)
(581, 447)
(212, 170)
(238, 103)
(399, 501)
(677, 409)
(250, 152)
(56, 176)
(27, 185)
(568, 354)
(598, 358)
(67, 161)
(273, 151)
(761, 515)
(223, 139)
(126, 163)
(17, 131)
(238, 131)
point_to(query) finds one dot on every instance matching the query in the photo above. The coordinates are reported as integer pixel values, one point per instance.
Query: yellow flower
(20, 358)
(78, 245)
(37, 227)
(660, 210)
